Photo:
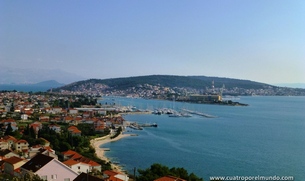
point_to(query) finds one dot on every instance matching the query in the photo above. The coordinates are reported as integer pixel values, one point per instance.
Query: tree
(157, 170)
(64, 146)
(40, 141)
(9, 130)
(26, 131)
(32, 132)
(28, 177)
(16, 134)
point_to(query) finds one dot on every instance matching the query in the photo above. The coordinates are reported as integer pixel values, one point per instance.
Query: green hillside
(196, 82)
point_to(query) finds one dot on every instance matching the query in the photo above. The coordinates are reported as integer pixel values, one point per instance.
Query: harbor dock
(199, 113)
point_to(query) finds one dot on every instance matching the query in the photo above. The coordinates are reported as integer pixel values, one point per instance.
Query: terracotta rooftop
(70, 162)
(169, 178)
(111, 172)
(13, 160)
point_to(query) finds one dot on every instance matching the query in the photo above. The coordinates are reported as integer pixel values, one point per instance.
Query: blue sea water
(266, 138)
(23, 88)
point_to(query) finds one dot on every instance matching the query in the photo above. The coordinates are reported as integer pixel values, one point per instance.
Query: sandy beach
(100, 152)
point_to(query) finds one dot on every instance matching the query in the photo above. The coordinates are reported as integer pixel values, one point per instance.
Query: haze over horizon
(259, 40)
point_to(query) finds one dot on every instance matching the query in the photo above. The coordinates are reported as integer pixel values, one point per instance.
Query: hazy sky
(260, 40)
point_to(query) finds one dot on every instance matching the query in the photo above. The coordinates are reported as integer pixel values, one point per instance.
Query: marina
(238, 136)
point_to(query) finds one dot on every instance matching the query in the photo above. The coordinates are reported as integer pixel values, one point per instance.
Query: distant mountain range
(172, 81)
(196, 82)
(41, 86)
(9, 75)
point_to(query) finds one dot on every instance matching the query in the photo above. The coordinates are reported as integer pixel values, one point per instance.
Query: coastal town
(158, 91)
(46, 137)
(66, 129)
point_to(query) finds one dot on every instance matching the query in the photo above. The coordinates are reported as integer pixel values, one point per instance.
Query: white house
(3, 144)
(24, 117)
(55, 127)
(56, 110)
(13, 163)
(110, 175)
(73, 111)
(48, 168)
(76, 166)
(21, 145)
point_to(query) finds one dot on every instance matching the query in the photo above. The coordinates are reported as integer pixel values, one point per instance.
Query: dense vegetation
(157, 170)
(26, 177)
(197, 82)
(119, 131)
(63, 141)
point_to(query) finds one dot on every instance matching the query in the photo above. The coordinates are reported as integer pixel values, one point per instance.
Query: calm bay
(266, 138)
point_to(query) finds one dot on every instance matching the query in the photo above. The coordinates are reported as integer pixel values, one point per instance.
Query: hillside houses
(27, 107)
(11, 143)
(55, 128)
(11, 122)
(10, 140)
(6, 153)
(11, 165)
(36, 126)
(74, 131)
(3, 144)
(47, 168)
(28, 114)
(111, 175)
(42, 149)
(79, 163)
(21, 146)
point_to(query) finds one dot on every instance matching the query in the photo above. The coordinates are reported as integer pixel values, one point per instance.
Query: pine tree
(9, 130)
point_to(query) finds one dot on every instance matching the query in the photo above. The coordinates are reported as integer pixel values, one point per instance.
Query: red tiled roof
(22, 141)
(111, 172)
(70, 162)
(36, 127)
(13, 160)
(72, 154)
(76, 157)
(169, 178)
(8, 120)
(48, 148)
(53, 125)
(8, 137)
(2, 140)
(88, 161)
(68, 118)
(74, 129)
(78, 118)
(68, 153)
(38, 123)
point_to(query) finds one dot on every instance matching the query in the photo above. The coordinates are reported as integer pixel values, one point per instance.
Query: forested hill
(196, 82)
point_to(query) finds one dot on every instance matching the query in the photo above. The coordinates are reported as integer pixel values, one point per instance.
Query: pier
(199, 113)
(137, 126)
(148, 125)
